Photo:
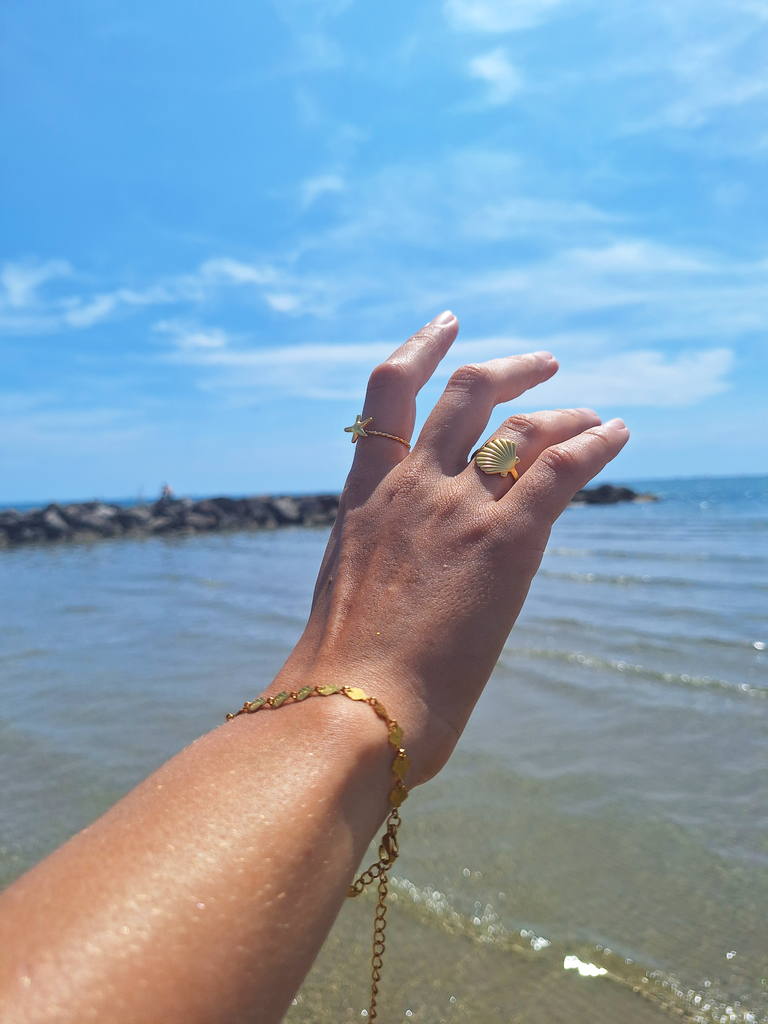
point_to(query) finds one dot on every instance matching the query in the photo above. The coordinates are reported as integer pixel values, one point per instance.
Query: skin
(205, 894)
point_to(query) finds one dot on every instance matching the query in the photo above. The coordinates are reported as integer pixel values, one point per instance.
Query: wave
(705, 1003)
(654, 639)
(626, 668)
(646, 578)
(647, 555)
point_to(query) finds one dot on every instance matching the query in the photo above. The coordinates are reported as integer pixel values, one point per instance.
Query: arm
(206, 893)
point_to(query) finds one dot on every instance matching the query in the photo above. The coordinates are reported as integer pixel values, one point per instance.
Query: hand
(430, 560)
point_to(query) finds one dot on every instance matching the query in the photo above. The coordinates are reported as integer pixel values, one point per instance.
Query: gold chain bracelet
(388, 848)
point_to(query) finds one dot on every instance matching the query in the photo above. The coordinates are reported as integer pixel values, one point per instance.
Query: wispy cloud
(677, 68)
(313, 188)
(503, 79)
(702, 80)
(24, 310)
(19, 281)
(498, 15)
(646, 377)
(659, 292)
(662, 292)
(682, 68)
(37, 422)
(643, 378)
(188, 337)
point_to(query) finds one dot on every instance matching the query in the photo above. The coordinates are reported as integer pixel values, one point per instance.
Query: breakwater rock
(93, 520)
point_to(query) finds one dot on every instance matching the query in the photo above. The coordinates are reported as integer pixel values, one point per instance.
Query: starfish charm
(358, 428)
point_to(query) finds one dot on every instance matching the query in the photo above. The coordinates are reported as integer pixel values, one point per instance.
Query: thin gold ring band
(357, 430)
(394, 437)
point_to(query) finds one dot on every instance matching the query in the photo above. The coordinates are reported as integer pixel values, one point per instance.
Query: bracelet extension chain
(388, 847)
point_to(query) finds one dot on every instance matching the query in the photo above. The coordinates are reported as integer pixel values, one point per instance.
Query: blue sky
(217, 217)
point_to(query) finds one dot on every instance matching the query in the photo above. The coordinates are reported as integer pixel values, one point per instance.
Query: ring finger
(532, 434)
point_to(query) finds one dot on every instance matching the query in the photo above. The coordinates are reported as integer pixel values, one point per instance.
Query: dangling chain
(388, 848)
(388, 851)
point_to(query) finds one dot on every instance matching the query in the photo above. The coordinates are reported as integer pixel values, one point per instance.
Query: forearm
(205, 894)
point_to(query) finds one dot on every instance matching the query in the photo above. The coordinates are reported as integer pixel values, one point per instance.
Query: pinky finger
(562, 470)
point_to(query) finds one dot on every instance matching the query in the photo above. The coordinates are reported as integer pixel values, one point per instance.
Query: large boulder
(96, 517)
(286, 510)
(318, 509)
(260, 511)
(135, 518)
(54, 524)
(198, 521)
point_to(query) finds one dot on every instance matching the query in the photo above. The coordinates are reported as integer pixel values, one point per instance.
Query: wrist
(342, 730)
(427, 738)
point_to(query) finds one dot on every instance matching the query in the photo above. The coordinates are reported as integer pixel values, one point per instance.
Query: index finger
(390, 401)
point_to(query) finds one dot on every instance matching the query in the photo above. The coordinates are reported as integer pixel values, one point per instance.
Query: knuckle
(391, 373)
(521, 424)
(596, 439)
(562, 461)
(470, 376)
(426, 333)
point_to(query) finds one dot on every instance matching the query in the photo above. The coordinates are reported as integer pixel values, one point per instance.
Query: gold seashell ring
(499, 455)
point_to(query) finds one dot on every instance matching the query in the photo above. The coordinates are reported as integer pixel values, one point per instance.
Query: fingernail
(617, 424)
(586, 409)
(444, 318)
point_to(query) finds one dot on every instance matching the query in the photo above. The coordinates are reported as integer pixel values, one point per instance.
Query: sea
(596, 850)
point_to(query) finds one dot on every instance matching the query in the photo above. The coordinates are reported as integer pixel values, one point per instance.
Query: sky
(216, 219)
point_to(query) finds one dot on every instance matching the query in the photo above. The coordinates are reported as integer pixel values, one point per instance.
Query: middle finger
(464, 408)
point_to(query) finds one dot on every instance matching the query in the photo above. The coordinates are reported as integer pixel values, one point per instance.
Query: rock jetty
(607, 494)
(94, 520)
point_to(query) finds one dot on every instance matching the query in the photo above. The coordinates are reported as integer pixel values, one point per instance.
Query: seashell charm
(499, 455)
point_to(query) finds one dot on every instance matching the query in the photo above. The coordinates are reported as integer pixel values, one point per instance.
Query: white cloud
(36, 422)
(190, 338)
(504, 80)
(20, 281)
(498, 15)
(313, 188)
(318, 371)
(636, 256)
(641, 378)
(648, 378)
(757, 7)
(685, 66)
(660, 293)
(24, 311)
(235, 272)
(520, 216)
(709, 79)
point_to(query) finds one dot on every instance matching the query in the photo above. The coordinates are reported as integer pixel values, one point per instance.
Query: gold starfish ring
(358, 428)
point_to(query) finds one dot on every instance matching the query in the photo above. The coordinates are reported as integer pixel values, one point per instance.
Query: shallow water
(610, 792)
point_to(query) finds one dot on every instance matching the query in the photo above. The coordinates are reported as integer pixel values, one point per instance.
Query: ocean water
(608, 801)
